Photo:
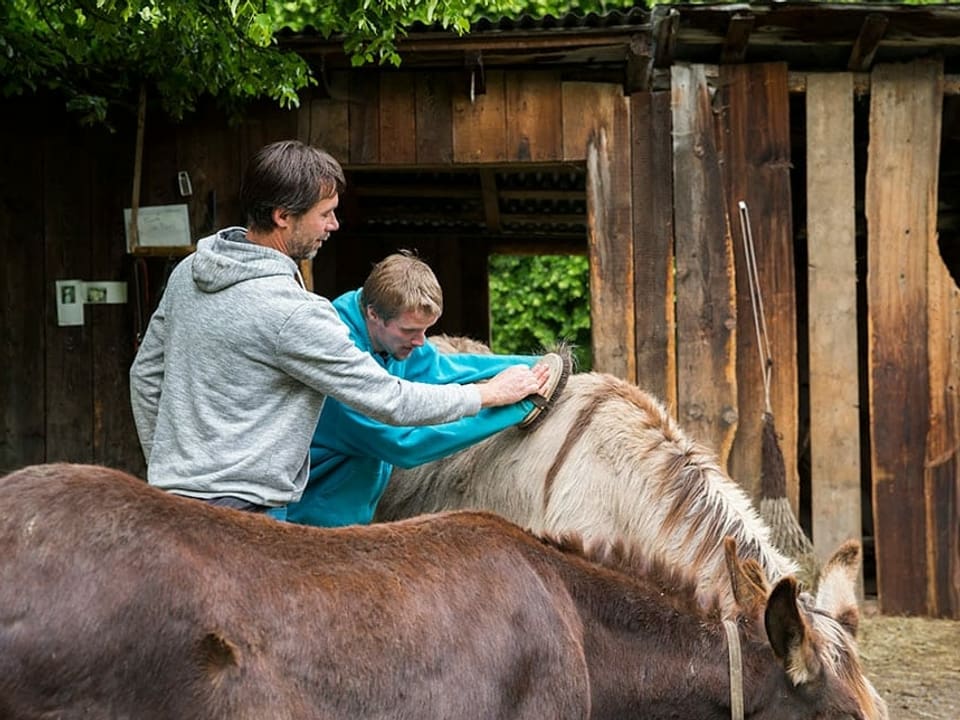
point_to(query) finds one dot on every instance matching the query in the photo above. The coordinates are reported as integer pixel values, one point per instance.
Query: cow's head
(813, 637)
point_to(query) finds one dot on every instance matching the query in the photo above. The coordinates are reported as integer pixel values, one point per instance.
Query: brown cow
(117, 600)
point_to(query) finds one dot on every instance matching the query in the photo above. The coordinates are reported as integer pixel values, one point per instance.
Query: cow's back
(117, 600)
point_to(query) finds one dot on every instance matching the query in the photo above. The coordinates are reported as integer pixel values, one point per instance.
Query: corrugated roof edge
(570, 21)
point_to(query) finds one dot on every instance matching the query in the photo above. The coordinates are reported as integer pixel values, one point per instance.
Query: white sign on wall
(159, 226)
(72, 295)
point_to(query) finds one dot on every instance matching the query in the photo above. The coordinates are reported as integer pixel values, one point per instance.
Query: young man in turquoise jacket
(351, 455)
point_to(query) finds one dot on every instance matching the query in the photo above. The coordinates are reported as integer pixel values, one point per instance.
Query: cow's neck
(672, 665)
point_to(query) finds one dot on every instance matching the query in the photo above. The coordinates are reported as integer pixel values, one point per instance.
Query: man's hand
(513, 384)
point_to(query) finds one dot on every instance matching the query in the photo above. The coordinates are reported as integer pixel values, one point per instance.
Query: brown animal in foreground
(118, 600)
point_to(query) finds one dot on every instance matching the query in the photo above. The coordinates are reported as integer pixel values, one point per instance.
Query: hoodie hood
(228, 258)
(349, 308)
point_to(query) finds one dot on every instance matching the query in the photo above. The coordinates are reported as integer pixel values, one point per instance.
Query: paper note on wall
(159, 226)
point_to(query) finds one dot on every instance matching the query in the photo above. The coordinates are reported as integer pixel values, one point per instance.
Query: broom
(785, 532)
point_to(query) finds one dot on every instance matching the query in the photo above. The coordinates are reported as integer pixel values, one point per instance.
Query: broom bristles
(785, 532)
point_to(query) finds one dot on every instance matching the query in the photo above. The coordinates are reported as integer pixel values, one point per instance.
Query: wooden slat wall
(535, 120)
(706, 315)
(435, 118)
(480, 123)
(364, 116)
(24, 295)
(67, 186)
(901, 190)
(597, 123)
(398, 118)
(832, 298)
(754, 117)
(110, 326)
(324, 121)
(656, 325)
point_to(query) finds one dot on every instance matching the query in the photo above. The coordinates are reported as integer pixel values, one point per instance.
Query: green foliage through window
(537, 301)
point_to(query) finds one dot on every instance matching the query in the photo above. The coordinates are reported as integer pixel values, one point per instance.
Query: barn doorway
(457, 218)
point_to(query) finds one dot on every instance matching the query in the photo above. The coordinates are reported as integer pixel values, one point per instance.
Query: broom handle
(756, 302)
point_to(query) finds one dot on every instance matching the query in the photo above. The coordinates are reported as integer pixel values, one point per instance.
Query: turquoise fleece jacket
(352, 456)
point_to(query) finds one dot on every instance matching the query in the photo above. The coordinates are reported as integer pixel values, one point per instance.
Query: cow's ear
(746, 580)
(789, 634)
(836, 592)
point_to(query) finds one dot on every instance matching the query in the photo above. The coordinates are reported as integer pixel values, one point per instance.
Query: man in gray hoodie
(229, 380)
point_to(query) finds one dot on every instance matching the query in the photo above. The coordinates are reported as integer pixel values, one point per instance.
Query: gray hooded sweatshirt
(228, 382)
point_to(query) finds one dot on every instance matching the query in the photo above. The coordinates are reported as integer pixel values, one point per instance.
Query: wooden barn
(682, 150)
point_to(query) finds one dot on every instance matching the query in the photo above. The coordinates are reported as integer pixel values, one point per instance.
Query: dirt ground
(914, 663)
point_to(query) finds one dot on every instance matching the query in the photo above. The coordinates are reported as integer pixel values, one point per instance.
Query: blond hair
(401, 283)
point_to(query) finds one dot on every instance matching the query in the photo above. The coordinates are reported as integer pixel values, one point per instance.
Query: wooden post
(906, 104)
(706, 292)
(653, 256)
(597, 126)
(832, 290)
(754, 117)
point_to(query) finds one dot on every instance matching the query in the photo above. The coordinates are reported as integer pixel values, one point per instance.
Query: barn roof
(808, 36)
(635, 47)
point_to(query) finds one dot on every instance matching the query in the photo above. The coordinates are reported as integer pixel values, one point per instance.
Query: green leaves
(97, 53)
(537, 301)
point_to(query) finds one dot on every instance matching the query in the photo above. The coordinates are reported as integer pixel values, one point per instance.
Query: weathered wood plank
(474, 289)
(534, 107)
(266, 123)
(653, 250)
(756, 149)
(602, 125)
(832, 300)
(115, 441)
(324, 120)
(25, 294)
(364, 115)
(942, 464)
(208, 151)
(480, 123)
(67, 186)
(706, 311)
(905, 110)
(434, 94)
(398, 118)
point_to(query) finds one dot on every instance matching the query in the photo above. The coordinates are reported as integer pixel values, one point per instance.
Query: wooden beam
(871, 33)
(832, 300)
(535, 109)
(653, 245)
(398, 118)
(434, 110)
(596, 126)
(491, 202)
(480, 123)
(906, 108)
(705, 285)
(797, 81)
(942, 465)
(738, 37)
(639, 71)
(665, 33)
(754, 127)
